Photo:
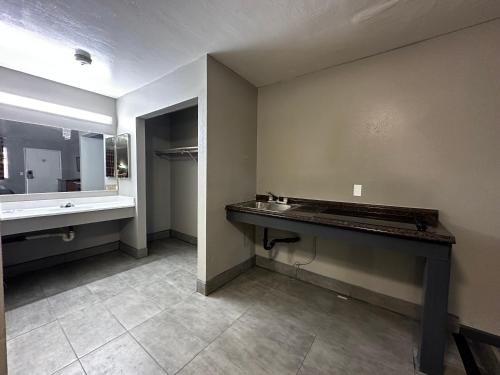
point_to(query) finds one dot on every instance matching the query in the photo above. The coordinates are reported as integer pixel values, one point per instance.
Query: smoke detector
(83, 57)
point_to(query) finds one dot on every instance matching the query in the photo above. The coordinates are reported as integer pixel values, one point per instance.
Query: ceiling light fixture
(56, 109)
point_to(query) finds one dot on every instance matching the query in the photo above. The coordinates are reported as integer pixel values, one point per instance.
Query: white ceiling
(134, 42)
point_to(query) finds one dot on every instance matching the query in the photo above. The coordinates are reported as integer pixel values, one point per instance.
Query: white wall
(418, 126)
(185, 84)
(232, 137)
(27, 85)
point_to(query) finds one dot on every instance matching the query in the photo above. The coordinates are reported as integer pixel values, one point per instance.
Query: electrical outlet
(357, 190)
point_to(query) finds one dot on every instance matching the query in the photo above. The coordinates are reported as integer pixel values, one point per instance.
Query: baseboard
(172, 233)
(38, 264)
(183, 237)
(132, 251)
(216, 282)
(159, 235)
(399, 306)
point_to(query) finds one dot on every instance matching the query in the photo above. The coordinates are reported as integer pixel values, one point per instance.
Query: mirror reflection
(42, 159)
(122, 155)
(110, 156)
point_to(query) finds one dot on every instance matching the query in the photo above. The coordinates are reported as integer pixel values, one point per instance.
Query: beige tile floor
(112, 314)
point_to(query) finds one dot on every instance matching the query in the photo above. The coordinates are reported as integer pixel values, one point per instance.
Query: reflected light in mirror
(57, 109)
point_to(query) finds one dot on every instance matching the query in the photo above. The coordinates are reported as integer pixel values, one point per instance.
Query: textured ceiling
(134, 42)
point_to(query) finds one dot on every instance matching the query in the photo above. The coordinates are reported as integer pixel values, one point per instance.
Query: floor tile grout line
(67, 339)
(107, 342)
(305, 356)
(31, 330)
(119, 322)
(234, 321)
(147, 352)
(100, 347)
(215, 338)
(65, 367)
(47, 295)
(80, 283)
(76, 310)
(129, 332)
(55, 318)
(81, 365)
(209, 343)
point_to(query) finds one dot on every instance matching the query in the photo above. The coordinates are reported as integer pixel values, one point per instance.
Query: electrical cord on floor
(297, 265)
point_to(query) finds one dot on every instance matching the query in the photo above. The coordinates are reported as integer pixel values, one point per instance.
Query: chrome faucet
(271, 197)
(276, 198)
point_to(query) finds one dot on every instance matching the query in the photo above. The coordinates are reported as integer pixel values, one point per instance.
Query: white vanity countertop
(52, 207)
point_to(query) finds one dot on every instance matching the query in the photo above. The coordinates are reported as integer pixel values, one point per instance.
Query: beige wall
(227, 133)
(170, 92)
(231, 174)
(418, 126)
(172, 184)
(158, 188)
(184, 172)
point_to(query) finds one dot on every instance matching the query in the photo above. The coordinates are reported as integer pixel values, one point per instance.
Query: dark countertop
(378, 219)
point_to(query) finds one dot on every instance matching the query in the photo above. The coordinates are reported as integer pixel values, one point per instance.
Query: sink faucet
(271, 197)
(276, 198)
(67, 205)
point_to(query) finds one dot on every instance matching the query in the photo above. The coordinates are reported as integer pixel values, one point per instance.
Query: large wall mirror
(42, 159)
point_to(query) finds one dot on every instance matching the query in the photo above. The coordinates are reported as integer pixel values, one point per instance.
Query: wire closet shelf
(179, 153)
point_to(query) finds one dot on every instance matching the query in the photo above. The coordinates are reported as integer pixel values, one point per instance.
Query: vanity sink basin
(269, 206)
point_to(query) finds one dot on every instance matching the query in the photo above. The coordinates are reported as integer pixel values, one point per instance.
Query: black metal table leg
(434, 316)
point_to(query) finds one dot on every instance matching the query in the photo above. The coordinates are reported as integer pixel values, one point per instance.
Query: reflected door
(42, 170)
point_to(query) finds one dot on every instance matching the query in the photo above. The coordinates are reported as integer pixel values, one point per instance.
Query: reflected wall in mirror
(43, 159)
(122, 155)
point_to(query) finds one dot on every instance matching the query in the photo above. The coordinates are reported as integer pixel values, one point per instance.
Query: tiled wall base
(132, 251)
(394, 304)
(171, 233)
(159, 235)
(184, 237)
(224, 277)
(397, 305)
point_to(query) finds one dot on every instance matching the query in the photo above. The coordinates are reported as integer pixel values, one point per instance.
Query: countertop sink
(269, 206)
(406, 222)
